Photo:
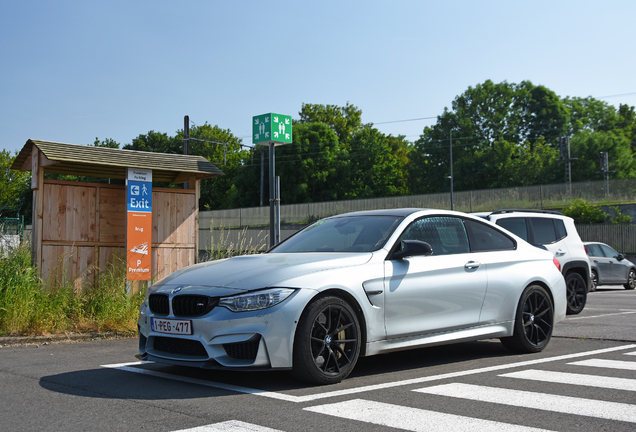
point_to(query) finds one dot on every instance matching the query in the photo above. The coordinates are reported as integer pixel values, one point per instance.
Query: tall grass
(27, 307)
(226, 246)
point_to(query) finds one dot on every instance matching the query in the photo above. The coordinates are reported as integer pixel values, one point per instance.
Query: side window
(517, 226)
(608, 251)
(543, 229)
(446, 235)
(594, 250)
(484, 238)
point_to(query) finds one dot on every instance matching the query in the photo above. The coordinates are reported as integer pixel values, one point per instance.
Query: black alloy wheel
(576, 293)
(631, 280)
(327, 343)
(534, 322)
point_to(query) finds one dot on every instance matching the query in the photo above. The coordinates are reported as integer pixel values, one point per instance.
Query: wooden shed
(80, 227)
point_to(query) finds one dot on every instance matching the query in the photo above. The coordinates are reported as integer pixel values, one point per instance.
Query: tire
(594, 281)
(327, 341)
(576, 293)
(534, 322)
(631, 280)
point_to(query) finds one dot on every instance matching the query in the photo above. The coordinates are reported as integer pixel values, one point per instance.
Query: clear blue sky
(71, 71)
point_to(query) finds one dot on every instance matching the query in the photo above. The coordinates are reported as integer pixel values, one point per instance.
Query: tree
(496, 129)
(15, 188)
(375, 165)
(372, 164)
(108, 142)
(313, 167)
(587, 145)
(226, 151)
(158, 142)
(344, 121)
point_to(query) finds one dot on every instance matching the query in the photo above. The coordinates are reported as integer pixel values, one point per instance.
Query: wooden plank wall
(84, 231)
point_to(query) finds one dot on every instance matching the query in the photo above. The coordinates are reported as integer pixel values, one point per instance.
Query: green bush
(583, 212)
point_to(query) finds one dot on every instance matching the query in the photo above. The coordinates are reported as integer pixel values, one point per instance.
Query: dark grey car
(609, 267)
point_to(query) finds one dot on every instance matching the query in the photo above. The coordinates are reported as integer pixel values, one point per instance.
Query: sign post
(138, 225)
(272, 130)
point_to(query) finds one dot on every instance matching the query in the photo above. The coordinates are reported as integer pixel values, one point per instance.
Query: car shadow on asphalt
(155, 381)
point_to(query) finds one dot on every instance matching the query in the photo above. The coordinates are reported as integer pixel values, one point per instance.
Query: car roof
(535, 211)
(401, 212)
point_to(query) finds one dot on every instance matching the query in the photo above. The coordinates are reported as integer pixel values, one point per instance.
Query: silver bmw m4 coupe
(353, 285)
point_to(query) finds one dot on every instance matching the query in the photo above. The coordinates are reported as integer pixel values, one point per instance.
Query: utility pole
(604, 163)
(451, 169)
(565, 156)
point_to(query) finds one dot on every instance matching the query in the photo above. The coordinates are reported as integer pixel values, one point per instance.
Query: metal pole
(186, 140)
(272, 196)
(262, 174)
(451, 168)
(277, 234)
(567, 141)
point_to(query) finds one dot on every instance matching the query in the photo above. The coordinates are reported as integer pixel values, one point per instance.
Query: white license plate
(180, 327)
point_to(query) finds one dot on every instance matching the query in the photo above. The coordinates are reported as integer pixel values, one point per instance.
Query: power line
(407, 120)
(616, 95)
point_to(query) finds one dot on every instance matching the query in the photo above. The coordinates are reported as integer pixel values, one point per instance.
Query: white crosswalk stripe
(411, 419)
(230, 426)
(607, 364)
(417, 419)
(575, 379)
(542, 401)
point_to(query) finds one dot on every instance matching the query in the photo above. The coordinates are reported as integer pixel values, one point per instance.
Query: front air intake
(243, 350)
(184, 347)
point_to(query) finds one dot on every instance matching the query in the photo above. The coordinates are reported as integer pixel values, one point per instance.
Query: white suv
(558, 234)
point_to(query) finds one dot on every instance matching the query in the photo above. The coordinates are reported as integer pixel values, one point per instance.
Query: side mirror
(620, 257)
(413, 248)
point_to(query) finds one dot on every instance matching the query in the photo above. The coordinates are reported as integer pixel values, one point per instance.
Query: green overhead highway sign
(271, 128)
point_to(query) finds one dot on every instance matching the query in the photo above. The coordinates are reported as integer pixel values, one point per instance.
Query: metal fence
(621, 237)
(11, 233)
(528, 197)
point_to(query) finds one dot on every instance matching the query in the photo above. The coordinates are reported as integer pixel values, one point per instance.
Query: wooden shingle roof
(112, 163)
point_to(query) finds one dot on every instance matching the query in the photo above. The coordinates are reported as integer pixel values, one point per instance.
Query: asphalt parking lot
(583, 381)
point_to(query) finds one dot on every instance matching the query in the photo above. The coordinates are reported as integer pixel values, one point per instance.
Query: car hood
(249, 272)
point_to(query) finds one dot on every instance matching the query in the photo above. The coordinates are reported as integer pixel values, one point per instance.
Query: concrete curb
(66, 337)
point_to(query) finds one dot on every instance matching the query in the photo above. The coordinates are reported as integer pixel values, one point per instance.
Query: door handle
(472, 265)
(559, 253)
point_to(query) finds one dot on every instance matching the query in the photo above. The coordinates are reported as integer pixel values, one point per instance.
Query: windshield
(342, 234)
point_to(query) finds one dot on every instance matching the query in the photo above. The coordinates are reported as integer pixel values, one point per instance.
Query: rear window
(544, 230)
(593, 250)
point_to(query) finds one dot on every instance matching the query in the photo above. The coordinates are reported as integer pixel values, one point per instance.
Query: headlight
(255, 301)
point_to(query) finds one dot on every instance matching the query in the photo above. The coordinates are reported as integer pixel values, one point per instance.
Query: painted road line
(607, 364)
(600, 316)
(533, 400)
(575, 379)
(308, 398)
(230, 426)
(410, 419)
(205, 383)
(631, 353)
